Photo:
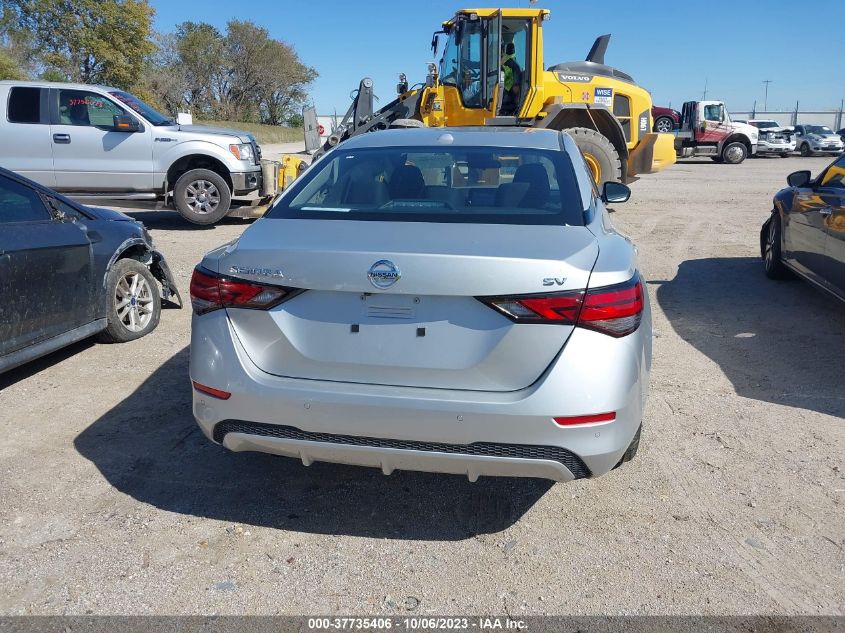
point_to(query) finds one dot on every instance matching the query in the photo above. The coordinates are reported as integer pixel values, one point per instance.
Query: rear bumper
(434, 430)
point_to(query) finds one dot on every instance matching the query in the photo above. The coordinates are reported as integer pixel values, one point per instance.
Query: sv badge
(554, 281)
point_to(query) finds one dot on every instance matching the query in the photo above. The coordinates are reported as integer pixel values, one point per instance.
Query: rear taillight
(614, 310)
(210, 291)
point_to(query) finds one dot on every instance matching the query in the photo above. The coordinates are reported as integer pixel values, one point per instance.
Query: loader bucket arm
(361, 117)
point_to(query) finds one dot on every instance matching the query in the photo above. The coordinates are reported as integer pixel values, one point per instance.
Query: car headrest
(407, 182)
(537, 179)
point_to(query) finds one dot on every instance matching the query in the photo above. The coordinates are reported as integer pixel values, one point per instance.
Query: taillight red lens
(210, 291)
(561, 308)
(614, 310)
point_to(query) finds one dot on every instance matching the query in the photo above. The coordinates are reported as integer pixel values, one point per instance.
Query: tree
(164, 79)
(244, 75)
(90, 41)
(201, 61)
(15, 49)
(9, 67)
(286, 88)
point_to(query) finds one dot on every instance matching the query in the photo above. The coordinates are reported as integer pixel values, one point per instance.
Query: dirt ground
(112, 501)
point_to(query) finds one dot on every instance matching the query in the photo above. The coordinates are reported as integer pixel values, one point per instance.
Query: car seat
(530, 188)
(407, 182)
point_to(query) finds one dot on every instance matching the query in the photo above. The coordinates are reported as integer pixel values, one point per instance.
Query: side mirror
(125, 123)
(799, 178)
(615, 192)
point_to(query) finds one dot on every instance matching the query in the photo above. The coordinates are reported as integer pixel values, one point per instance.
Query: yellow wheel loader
(491, 73)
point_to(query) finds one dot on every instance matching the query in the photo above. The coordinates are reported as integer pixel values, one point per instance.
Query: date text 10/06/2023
(417, 623)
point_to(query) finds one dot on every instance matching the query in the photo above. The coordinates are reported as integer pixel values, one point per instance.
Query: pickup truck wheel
(202, 196)
(133, 302)
(664, 125)
(734, 153)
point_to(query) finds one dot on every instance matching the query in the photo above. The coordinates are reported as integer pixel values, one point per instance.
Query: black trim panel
(570, 460)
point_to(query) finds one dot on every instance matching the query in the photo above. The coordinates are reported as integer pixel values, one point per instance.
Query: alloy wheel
(134, 302)
(202, 196)
(771, 237)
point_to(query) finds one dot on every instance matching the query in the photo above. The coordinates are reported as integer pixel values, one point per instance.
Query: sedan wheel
(134, 302)
(771, 249)
(805, 150)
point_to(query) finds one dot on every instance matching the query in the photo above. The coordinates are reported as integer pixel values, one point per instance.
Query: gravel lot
(112, 501)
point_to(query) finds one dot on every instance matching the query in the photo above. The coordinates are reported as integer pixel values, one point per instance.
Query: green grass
(264, 133)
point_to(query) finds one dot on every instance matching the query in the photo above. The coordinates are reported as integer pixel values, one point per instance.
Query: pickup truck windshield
(765, 124)
(476, 185)
(146, 111)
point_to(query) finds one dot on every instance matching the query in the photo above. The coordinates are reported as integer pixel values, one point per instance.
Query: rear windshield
(478, 185)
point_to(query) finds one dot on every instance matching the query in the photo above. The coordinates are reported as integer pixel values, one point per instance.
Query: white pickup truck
(773, 139)
(99, 143)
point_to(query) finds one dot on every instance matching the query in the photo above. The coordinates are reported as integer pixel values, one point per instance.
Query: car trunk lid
(427, 329)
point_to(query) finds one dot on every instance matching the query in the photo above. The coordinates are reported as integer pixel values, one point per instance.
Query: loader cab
(486, 65)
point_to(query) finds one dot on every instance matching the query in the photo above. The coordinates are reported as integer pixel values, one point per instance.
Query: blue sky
(733, 45)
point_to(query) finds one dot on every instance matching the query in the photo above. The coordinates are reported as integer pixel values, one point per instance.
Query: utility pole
(704, 96)
(766, 98)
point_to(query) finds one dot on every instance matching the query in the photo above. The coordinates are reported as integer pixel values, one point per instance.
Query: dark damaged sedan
(805, 234)
(68, 272)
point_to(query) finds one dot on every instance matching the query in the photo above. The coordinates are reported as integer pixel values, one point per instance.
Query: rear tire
(202, 196)
(805, 150)
(600, 155)
(770, 244)
(734, 153)
(133, 302)
(664, 125)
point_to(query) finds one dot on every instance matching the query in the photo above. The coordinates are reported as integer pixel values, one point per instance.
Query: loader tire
(601, 157)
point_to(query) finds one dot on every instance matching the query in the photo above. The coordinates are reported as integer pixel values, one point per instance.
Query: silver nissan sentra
(444, 300)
